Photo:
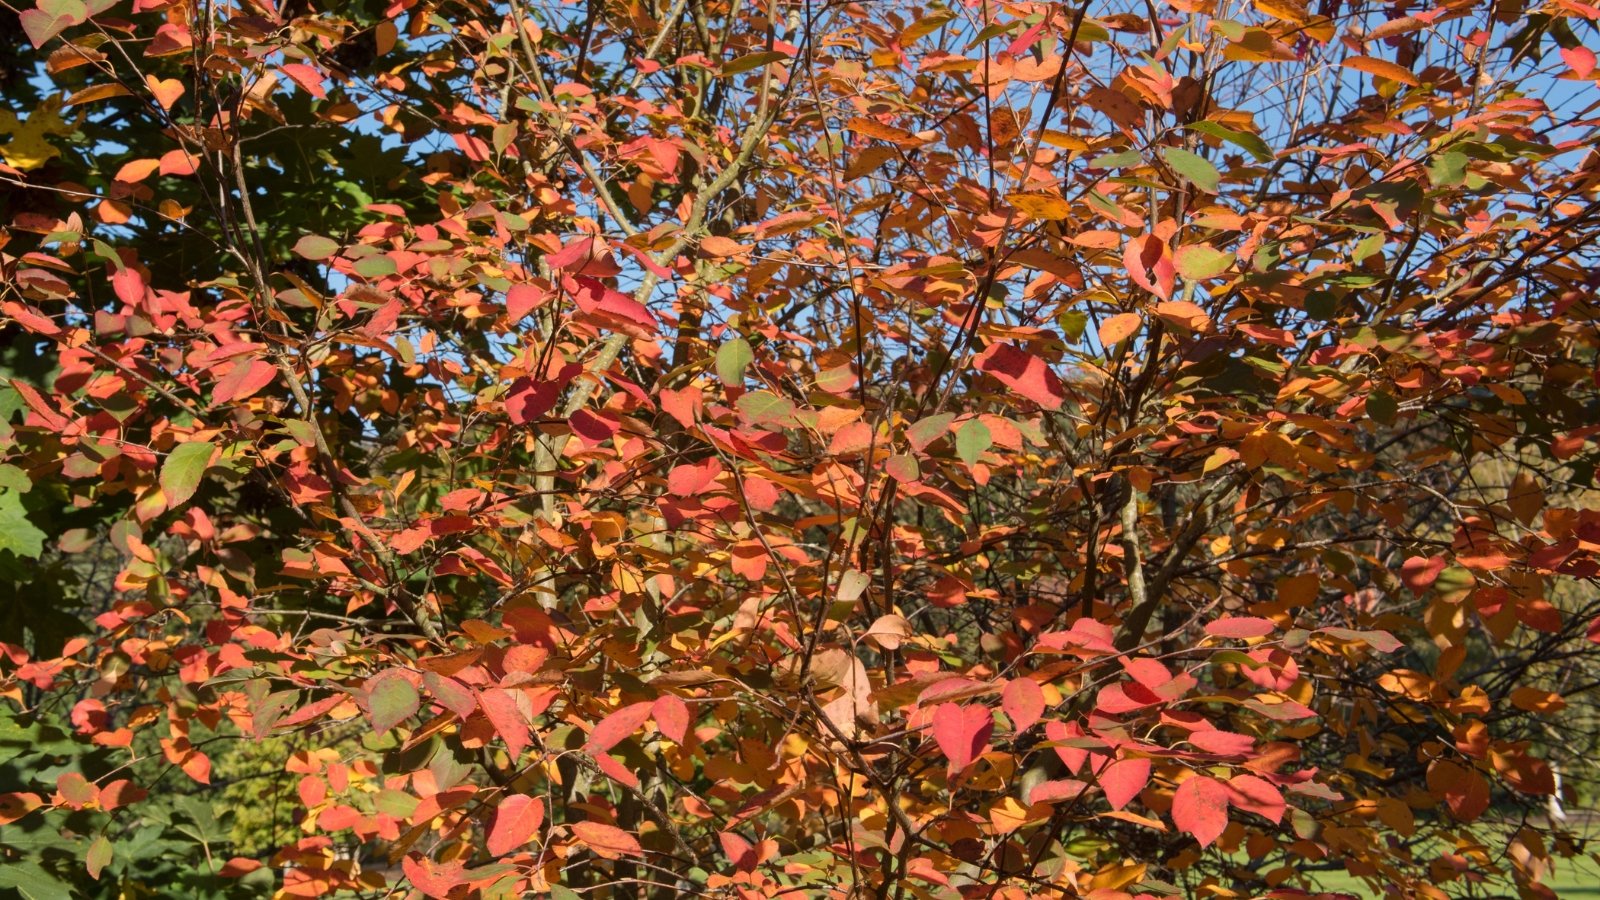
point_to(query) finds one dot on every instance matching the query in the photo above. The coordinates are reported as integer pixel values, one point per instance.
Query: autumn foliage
(714, 448)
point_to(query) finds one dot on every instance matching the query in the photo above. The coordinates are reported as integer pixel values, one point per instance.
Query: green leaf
(1372, 243)
(733, 357)
(395, 803)
(375, 267)
(1194, 167)
(1382, 408)
(1381, 641)
(32, 882)
(1250, 143)
(17, 534)
(180, 474)
(1448, 169)
(925, 431)
(753, 61)
(1073, 323)
(98, 857)
(391, 699)
(971, 440)
(315, 246)
(17, 738)
(1197, 262)
(765, 408)
(1117, 160)
(13, 478)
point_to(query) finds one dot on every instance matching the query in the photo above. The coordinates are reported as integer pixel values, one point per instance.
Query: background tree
(1000, 449)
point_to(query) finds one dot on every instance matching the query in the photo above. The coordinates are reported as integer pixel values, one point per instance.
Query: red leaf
(614, 768)
(607, 841)
(451, 694)
(516, 821)
(1200, 807)
(528, 399)
(691, 479)
(1024, 373)
(1149, 264)
(1580, 60)
(593, 429)
(1148, 672)
(1240, 627)
(307, 78)
(613, 729)
(672, 717)
(433, 879)
(243, 380)
(1056, 791)
(1023, 702)
(962, 732)
(1420, 573)
(1225, 743)
(32, 319)
(613, 309)
(500, 705)
(1073, 757)
(1252, 793)
(584, 256)
(739, 851)
(681, 405)
(1123, 780)
(523, 299)
(179, 162)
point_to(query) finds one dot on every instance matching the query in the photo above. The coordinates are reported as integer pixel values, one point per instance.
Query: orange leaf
(1382, 68)
(1115, 329)
(166, 90)
(1533, 699)
(1184, 314)
(607, 841)
(15, 806)
(137, 170)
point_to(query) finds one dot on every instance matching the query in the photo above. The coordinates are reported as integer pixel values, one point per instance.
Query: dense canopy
(657, 448)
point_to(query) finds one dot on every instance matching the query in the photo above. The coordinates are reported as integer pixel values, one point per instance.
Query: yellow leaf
(1287, 10)
(1041, 206)
(1116, 876)
(28, 148)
